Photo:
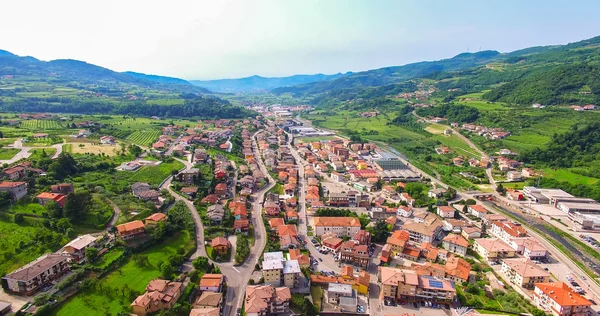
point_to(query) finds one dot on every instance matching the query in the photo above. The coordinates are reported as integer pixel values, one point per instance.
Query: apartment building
(507, 230)
(160, 294)
(456, 243)
(492, 249)
(560, 299)
(34, 275)
(262, 300)
(523, 272)
(529, 247)
(278, 271)
(399, 284)
(356, 254)
(429, 231)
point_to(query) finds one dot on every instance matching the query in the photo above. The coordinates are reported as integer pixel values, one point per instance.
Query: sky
(196, 39)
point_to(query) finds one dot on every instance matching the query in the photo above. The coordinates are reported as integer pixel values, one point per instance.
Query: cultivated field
(42, 124)
(96, 149)
(144, 138)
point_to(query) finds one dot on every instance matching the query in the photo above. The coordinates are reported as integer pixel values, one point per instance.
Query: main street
(326, 262)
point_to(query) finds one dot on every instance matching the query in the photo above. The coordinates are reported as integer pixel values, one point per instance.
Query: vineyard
(143, 138)
(42, 124)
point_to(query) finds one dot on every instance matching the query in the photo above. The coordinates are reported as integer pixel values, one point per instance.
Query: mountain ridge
(258, 83)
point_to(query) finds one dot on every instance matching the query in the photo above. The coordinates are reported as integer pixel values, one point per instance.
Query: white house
(445, 211)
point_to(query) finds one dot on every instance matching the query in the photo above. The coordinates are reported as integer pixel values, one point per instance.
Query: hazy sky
(196, 39)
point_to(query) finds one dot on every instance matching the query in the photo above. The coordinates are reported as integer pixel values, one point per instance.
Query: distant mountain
(84, 73)
(391, 75)
(262, 84)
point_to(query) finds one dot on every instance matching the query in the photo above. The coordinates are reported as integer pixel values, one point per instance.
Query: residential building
(342, 295)
(492, 249)
(36, 274)
(189, 176)
(341, 226)
(220, 245)
(215, 213)
(76, 247)
(471, 232)
(398, 284)
(398, 241)
(272, 268)
(560, 299)
(456, 243)
(362, 237)
(14, 173)
(338, 199)
(17, 190)
(155, 218)
(529, 247)
(205, 312)
(405, 211)
(356, 254)
(209, 300)
(445, 211)
(211, 282)
(523, 272)
(45, 197)
(457, 269)
(131, 230)
(262, 300)
(63, 188)
(330, 243)
(428, 231)
(507, 230)
(477, 210)
(160, 294)
(303, 260)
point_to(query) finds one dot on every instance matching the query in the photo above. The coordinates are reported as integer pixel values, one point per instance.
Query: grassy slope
(135, 277)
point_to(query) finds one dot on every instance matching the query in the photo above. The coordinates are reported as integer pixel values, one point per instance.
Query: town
(291, 219)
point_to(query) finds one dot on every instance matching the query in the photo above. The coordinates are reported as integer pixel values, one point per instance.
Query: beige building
(278, 271)
(264, 300)
(340, 226)
(523, 272)
(429, 230)
(34, 275)
(160, 294)
(399, 284)
(492, 249)
(456, 243)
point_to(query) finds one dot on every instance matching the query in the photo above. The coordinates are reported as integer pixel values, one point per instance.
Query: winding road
(24, 152)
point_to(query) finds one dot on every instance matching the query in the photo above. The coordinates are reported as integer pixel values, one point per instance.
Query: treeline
(199, 106)
(555, 85)
(452, 112)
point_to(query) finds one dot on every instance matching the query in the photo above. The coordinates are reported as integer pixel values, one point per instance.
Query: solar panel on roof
(436, 284)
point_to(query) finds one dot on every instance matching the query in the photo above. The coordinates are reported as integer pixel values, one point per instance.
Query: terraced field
(143, 138)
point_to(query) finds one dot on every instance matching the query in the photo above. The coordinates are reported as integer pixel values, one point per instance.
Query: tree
(41, 299)
(135, 150)
(380, 232)
(167, 270)
(364, 220)
(91, 254)
(308, 308)
(63, 225)
(200, 263)
(77, 204)
(54, 210)
(19, 218)
(500, 189)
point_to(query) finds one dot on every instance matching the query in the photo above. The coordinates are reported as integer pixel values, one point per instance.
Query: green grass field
(11, 235)
(155, 175)
(135, 277)
(8, 153)
(566, 175)
(37, 153)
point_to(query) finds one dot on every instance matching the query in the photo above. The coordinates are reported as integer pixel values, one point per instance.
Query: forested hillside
(262, 84)
(391, 75)
(564, 84)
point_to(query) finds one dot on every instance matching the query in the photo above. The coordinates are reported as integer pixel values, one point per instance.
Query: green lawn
(109, 257)
(566, 175)
(27, 208)
(8, 153)
(317, 293)
(155, 175)
(37, 153)
(96, 302)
